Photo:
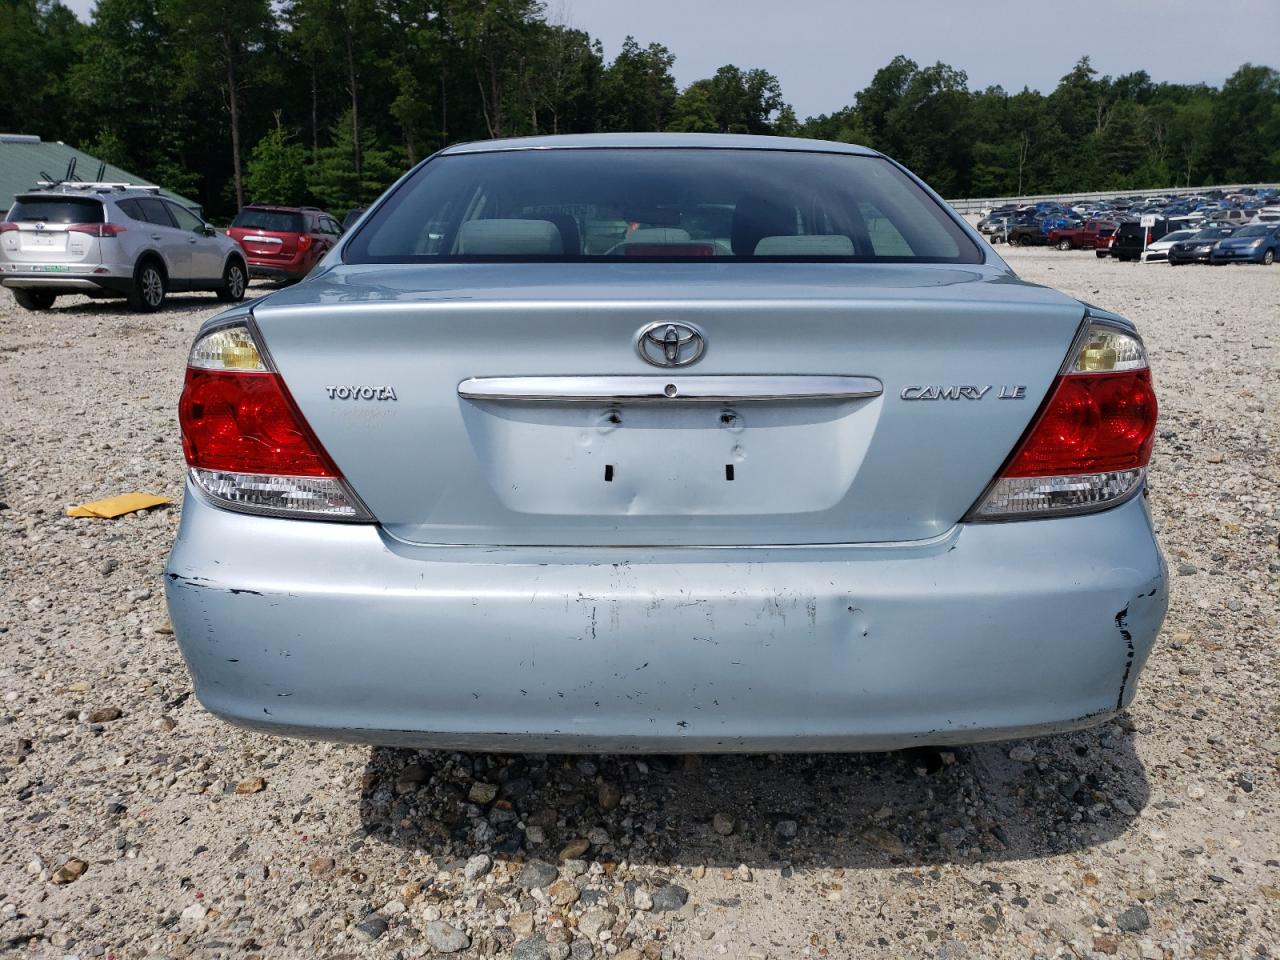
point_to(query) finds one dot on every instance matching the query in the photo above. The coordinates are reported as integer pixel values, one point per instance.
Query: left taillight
(246, 443)
(1089, 445)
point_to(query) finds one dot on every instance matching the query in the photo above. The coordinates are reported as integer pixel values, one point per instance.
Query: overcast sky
(824, 51)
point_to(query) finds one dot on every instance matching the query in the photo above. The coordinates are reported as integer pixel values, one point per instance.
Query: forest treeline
(327, 101)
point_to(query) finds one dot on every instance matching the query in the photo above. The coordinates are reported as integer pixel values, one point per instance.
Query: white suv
(113, 240)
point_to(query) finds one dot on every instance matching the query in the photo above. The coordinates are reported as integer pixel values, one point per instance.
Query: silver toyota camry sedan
(665, 443)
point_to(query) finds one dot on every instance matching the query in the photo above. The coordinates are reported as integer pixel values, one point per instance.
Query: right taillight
(245, 440)
(1089, 445)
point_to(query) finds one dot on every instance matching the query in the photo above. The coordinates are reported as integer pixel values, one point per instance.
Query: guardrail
(978, 204)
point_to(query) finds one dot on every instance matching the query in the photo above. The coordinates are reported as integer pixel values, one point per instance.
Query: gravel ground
(136, 825)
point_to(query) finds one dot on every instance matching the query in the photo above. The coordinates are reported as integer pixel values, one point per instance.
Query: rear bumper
(68, 282)
(265, 271)
(332, 631)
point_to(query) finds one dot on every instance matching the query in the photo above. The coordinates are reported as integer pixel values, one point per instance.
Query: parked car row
(120, 240)
(1095, 225)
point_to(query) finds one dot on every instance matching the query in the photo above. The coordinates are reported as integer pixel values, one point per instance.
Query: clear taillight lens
(1089, 445)
(248, 446)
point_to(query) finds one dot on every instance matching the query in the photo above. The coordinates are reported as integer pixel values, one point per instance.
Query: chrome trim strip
(726, 388)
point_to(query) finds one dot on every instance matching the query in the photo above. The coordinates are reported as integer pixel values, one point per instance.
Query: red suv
(283, 243)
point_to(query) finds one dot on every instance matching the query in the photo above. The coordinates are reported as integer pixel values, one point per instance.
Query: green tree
(1245, 128)
(277, 169)
(217, 41)
(39, 46)
(744, 101)
(494, 42)
(638, 91)
(693, 111)
(931, 119)
(127, 54)
(332, 178)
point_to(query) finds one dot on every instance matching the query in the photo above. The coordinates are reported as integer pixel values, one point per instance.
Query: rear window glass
(56, 210)
(277, 221)
(660, 204)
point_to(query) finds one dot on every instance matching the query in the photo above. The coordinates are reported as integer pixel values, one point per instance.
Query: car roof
(719, 141)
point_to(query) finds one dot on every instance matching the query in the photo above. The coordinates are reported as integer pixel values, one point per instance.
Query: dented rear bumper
(332, 631)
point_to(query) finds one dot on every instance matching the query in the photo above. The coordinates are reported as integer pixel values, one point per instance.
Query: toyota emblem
(667, 344)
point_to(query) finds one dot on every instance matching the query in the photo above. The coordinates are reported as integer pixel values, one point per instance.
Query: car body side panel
(985, 632)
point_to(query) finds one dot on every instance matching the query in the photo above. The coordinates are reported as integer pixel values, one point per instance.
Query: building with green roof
(25, 160)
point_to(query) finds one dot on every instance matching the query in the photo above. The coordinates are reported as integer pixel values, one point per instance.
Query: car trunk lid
(950, 365)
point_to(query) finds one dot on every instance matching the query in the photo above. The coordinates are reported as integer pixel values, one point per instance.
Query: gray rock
(1133, 920)
(597, 919)
(370, 928)
(477, 866)
(536, 873)
(787, 828)
(445, 937)
(722, 824)
(670, 897)
(1186, 569)
(534, 948)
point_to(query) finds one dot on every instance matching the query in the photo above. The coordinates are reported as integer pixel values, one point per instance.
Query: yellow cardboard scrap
(117, 506)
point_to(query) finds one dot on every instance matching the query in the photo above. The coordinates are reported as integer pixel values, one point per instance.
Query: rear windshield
(56, 210)
(660, 204)
(277, 221)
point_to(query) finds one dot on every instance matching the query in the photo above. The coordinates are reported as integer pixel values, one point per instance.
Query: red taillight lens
(240, 422)
(1088, 447)
(96, 229)
(1093, 423)
(304, 241)
(6, 226)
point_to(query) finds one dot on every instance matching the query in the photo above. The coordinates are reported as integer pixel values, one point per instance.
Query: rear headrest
(487, 238)
(809, 245)
(658, 235)
(755, 218)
